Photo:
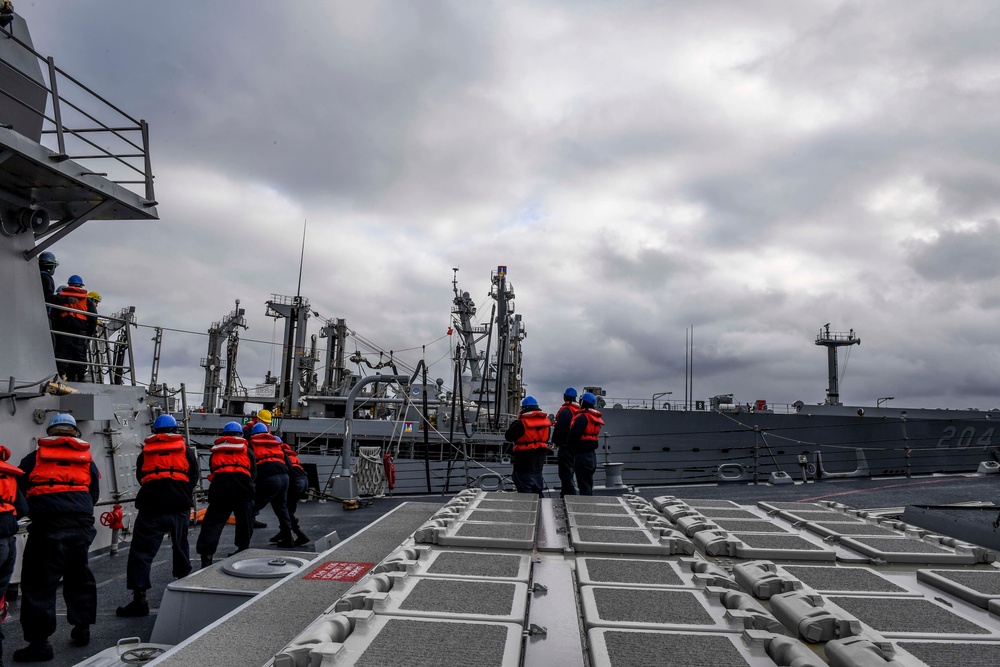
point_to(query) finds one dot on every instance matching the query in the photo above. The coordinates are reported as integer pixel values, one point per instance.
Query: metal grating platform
(654, 609)
(974, 586)
(831, 528)
(376, 641)
(749, 526)
(819, 515)
(624, 541)
(631, 572)
(727, 513)
(907, 550)
(834, 579)
(605, 520)
(425, 561)
(500, 516)
(506, 505)
(954, 653)
(472, 599)
(641, 648)
(909, 617)
(781, 547)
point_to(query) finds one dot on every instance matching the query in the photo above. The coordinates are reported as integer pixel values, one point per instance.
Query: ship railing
(109, 358)
(80, 126)
(698, 405)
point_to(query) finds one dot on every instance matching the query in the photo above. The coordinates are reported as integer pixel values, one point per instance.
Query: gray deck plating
(670, 608)
(260, 628)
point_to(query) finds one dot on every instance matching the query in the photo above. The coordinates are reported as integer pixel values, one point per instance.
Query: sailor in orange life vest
(261, 416)
(167, 470)
(530, 435)
(272, 480)
(582, 440)
(232, 471)
(298, 482)
(62, 485)
(81, 321)
(560, 432)
(12, 507)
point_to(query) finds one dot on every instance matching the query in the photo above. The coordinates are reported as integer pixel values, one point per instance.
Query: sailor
(272, 480)
(81, 320)
(232, 471)
(298, 482)
(47, 268)
(583, 434)
(560, 431)
(256, 418)
(12, 507)
(62, 484)
(530, 435)
(167, 470)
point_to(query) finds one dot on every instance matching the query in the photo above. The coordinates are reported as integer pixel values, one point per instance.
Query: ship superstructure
(67, 156)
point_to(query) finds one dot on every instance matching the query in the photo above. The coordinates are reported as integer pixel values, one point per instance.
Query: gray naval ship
(785, 555)
(54, 158)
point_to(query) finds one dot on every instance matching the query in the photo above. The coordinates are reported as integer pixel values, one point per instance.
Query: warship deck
(602, 602)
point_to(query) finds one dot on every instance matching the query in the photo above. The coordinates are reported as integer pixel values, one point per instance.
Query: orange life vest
(594, 424)
(62, 464)
(293, 458)
(74, 297)
(536, 431)
(164, 456)
(8, 486)
(229, 454)
(574, 410)
(267, 449)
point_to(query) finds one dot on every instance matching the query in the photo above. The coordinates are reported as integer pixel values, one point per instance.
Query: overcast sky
(752, 169)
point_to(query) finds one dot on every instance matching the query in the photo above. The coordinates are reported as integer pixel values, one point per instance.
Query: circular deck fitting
(263, 568)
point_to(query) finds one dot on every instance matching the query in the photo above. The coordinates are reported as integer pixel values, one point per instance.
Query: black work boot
(259, 524)
(34, 652)
(80, 634)
(284, 540)
(274, 538)
(137, 607)
(300, 537)
(206, 560)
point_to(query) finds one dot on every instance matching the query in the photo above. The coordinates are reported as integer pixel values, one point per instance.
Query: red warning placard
(338, 570)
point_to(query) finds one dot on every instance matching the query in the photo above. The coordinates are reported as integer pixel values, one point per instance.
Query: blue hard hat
(588, 398)
(48, 258)
(164, 422)
(259, 427)
(233, 427)
(570, 392)
(63, 419)
(75, 280)
(529, 401)
(278, 439)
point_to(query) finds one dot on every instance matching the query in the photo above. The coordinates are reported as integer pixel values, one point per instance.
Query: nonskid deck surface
(675, 580)
(319, 519)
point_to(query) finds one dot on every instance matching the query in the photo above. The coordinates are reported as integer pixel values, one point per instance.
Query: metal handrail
(58, 127)
(101, 367)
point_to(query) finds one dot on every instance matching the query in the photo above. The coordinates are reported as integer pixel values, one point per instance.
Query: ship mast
(833, 340)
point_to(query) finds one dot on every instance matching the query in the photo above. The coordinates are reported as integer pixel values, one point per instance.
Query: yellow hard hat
(94, 296)
(264, 416)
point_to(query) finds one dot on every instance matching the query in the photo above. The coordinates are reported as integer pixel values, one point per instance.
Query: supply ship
(800, 544)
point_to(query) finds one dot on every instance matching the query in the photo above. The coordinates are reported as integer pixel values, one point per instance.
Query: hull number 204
(952, 438)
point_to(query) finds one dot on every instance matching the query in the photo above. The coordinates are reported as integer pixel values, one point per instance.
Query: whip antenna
(302, 258)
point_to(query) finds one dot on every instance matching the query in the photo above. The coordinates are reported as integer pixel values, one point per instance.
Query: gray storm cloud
(754, 170)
